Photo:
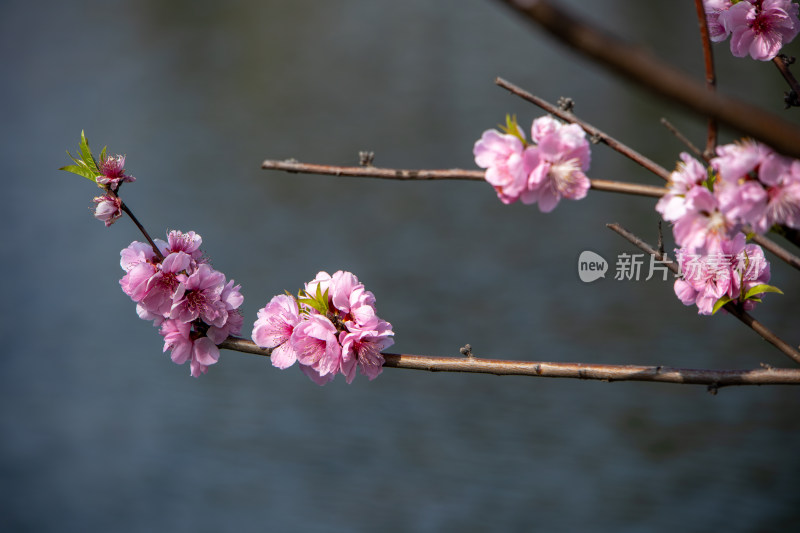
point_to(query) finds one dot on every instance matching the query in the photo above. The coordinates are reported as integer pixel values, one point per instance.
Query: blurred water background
(101, 432)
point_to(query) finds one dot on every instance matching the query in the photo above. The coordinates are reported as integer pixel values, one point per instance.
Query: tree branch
(777, 250)
(714, 379)
(684, 140)
(593, 132)
(368, 171)
(141, 229)
(791, 98)
(448, 174)
(711, 78)
(662, 79)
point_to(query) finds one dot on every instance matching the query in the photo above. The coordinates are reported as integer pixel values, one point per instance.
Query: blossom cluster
(756, 27)
(543, 171)
(748, 184)
(193, 306)
(747, 187)
(331, 327)
(737, 271)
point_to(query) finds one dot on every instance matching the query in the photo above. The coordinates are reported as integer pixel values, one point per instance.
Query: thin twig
(448, 174)
(714, 379)
(683, 139)
(711, 78)
(593, 132)
(736, 311)
(791, 98)
(291, 165)
(777, 250)
(141, 228)
(643, 68)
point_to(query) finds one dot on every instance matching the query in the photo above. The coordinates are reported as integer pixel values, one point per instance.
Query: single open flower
(112, 172)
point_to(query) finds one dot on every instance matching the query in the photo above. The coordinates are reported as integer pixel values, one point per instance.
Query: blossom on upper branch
(331, 328)
(112, 172)
(108, 175)
(756, 27)
(549, 168)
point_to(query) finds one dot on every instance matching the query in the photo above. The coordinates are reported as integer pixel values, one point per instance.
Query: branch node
(790, 99)
(595, 138)
(466, 351)
(566, 103)
(291, 161)
(366, 158)
(713, 389)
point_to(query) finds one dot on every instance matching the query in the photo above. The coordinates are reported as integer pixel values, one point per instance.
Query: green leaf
(512, 128)
(86, 154)
(318, 301)
(711, 178)
(80, 170)
(103, 154)
(720, 303)
(760, 289)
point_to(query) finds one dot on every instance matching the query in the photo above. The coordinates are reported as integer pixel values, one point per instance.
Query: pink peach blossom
(178, 241)
(274, 327)
(502, 157)
(199, 297)
(688, 174)
(557, 164)
(716, 28)
(363, 348)
(315, 344)
(164, 282)
(703, 224)
(201, 352)
(112, 172)
(760, 27)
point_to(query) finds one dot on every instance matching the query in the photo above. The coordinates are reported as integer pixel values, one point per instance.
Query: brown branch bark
(593, 132)
(644, 69)
(714, 379)
(711, 78)
(447, 174)
(777, 250)
(791, 98)
(369, 171)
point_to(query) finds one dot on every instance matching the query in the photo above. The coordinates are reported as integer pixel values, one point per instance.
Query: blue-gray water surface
(102, 432)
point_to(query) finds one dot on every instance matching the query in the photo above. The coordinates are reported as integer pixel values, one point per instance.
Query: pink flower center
(564, 174)
(717, 223)
(196, 301)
